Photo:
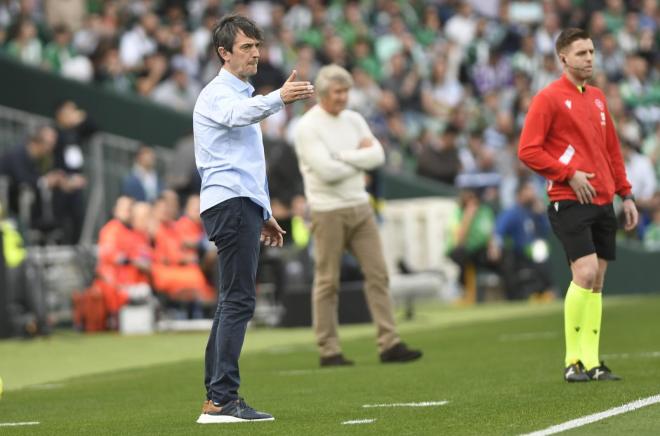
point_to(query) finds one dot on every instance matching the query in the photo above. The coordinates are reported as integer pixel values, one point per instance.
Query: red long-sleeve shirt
(567, 130)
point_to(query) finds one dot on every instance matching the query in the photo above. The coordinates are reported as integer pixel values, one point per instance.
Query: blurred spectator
(191, 231)
(111, 74)
(520, 245)
(143, 183)
(26, 46)
(527, 60)
(139, 41)
(610, 59)
(134, 253)
(175, 270)
(461, 27)
(182, 176)
(269, 75)
(32, 177)
(151, 74)
(642, 177)
(284, 180)
(548, 73)
(365, 94)
(439, 158)
(627, 34)
(441, 93)
(74, 128)
(652, 233)
(547, 34)
(113, 257)
(179, 92)
(469, 233)
(26, 300)
(59, 51)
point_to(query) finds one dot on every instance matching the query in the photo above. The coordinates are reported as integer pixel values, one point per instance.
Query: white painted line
(359, 421)
(309, 371)
(579, 422)
(647, 354)
(529, 336)
(16, 424)
(422, 404)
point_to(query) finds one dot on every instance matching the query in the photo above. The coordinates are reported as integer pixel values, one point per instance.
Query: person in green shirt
(59, 50)
(470, 230)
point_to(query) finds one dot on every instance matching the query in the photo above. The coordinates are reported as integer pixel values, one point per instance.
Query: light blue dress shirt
(229, 150)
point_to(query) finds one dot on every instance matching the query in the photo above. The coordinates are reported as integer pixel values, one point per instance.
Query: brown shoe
(336, 360)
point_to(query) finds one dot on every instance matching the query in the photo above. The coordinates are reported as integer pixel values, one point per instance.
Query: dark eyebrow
(250, 44)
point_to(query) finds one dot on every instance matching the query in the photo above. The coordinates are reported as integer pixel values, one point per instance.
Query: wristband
(629, 197)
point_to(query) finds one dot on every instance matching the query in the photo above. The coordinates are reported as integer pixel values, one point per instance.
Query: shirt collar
(234, 81)
(567, 83)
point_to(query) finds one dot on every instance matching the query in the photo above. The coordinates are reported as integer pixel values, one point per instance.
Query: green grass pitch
(498, 366)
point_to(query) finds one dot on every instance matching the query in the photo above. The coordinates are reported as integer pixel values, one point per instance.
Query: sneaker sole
(205, 418)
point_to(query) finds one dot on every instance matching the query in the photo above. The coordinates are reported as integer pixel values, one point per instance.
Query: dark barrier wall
(635, 270)
(36, 91)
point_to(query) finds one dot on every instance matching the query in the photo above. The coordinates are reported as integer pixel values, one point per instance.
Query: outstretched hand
(292, 91)
(272, 234)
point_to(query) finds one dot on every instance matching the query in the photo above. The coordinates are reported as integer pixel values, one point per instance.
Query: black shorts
(584, 229)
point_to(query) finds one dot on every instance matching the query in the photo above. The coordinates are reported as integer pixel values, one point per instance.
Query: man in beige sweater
(335, 147)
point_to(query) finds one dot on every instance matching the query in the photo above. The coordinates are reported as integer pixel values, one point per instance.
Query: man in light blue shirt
(235, 205)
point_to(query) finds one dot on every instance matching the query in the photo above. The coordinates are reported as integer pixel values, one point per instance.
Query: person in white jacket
(334, 147)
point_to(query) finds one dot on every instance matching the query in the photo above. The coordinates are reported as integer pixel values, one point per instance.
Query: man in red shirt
(569, 138)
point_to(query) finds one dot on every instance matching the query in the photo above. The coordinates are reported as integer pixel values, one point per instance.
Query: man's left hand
(272, 234)
(631, 215)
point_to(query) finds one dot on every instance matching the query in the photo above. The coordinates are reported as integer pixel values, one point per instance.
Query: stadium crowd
(444, 85)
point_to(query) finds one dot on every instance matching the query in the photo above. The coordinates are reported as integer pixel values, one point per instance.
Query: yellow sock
(590, 334)
(574, 310)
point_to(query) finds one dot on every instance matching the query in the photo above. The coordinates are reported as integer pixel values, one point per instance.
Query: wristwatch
(629, 197)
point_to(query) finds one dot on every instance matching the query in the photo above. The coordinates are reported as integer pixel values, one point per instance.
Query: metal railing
(109, 158)
(60, 270)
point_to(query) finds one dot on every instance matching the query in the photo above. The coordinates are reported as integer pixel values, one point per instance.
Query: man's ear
(222, 52)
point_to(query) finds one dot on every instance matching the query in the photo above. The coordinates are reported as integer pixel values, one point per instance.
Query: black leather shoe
(399, 353)
(336, 360)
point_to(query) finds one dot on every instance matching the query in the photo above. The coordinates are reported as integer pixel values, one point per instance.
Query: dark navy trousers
(235, 227)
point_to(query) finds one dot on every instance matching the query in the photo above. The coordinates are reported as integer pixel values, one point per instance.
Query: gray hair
(332, 73)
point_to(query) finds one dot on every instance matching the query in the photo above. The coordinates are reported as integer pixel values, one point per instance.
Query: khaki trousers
(355, 229)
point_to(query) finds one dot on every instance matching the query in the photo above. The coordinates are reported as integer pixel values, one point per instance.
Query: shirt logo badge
(568, 103)
(602, 118)
(599, 104)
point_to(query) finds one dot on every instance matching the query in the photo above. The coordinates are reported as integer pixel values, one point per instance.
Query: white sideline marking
(294, 372)
(422, 404)
(527, 336)
(16, 424)
(579, 422)
(649, 354)
(359, 421)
